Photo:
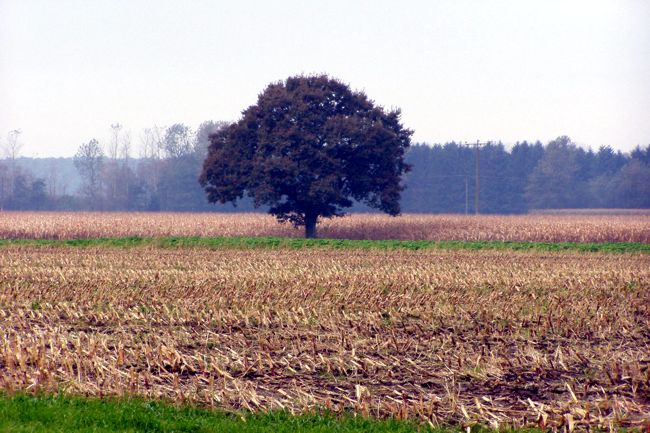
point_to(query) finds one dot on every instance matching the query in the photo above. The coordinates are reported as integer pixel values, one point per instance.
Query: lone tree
(307, 149)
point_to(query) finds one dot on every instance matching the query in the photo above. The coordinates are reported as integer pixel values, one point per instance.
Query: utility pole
(478, 177)
(477, 158)
(466, 195)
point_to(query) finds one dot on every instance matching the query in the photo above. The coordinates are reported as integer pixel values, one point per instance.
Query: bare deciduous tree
(89, 161)
(12, 152)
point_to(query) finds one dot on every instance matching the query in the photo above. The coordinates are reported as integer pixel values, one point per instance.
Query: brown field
(542, 228)
(501, 338)
(596, 211)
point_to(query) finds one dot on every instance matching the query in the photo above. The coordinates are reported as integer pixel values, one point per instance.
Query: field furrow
(444, 336)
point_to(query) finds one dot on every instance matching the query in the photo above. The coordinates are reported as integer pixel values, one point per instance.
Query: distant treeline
(557, 175)
(164, 176)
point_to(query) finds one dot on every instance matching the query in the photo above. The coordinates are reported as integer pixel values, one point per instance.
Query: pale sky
(459, 69)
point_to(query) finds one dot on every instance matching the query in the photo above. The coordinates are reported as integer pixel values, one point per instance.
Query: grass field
(54, 414)
(439, 336)
(530, 228)
(301, 243)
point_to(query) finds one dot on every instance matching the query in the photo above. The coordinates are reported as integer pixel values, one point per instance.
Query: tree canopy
(309, 148)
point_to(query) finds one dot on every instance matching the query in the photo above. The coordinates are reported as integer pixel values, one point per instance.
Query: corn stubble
(536, 228)
(504, 339)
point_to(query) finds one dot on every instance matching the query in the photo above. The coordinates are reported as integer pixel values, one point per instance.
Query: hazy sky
(459, 70)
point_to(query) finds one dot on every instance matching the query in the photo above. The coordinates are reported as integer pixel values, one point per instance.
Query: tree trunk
(310, 226)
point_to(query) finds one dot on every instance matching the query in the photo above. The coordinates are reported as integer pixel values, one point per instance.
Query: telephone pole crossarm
(477, 158)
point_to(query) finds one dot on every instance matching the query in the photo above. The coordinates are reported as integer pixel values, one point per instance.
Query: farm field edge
(60, 413)
(299, 243)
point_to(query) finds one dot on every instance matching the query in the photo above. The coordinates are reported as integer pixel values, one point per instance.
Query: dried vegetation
(539, 228)
(500, 338)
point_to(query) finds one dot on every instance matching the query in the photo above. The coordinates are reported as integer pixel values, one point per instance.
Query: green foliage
(52, 414)
(298, 243)
(553, 183)
(309, 148)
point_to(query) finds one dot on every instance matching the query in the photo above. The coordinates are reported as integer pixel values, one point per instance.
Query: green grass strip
(25, 413)
(299, 243)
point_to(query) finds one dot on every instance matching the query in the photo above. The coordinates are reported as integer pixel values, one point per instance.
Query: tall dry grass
(543, 228)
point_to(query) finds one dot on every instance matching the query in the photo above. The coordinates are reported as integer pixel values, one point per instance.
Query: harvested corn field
(448, 337)
(534, 228)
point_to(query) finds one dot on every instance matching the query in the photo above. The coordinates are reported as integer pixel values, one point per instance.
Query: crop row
(537, 228)
(501, 338)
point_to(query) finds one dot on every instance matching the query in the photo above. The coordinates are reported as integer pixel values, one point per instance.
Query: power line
(466, 195)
